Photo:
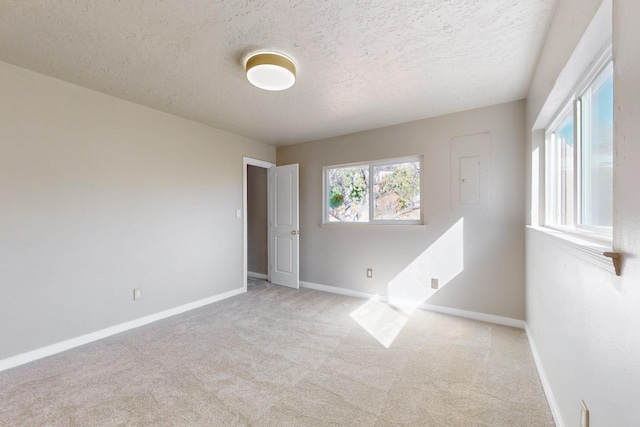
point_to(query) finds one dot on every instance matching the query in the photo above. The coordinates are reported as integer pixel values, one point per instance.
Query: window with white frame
(579, 157)
(381, 192)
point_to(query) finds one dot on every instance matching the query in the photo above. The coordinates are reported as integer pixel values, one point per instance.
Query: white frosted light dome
(271, 71)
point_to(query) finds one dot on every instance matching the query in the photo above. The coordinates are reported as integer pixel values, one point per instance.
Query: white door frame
(246, 161)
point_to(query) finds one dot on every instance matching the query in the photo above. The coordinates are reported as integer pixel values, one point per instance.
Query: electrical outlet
(137, 293)
(369, 273)
(584, 414)
(434, 283)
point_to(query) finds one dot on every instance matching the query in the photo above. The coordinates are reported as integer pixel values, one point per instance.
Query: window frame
(573, 105)
(597, 70)
(372, 222)
(567, 110)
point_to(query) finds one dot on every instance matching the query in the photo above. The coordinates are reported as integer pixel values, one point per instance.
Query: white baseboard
(257, 275)
(490, 318)
(59, 347)
(336, 290)
(483, 317)
(546, 386)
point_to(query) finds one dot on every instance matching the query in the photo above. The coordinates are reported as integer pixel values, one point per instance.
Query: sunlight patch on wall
(380, 320)
(443, 260)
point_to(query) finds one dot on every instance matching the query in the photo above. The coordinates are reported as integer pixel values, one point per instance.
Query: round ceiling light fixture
(270, 71)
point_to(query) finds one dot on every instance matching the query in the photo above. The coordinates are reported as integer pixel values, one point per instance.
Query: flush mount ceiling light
(270, 71)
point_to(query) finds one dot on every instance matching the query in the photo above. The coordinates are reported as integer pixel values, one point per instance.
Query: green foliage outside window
(348, 189)
(394, 189)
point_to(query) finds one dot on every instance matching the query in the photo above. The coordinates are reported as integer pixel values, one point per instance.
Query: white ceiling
(362, 64)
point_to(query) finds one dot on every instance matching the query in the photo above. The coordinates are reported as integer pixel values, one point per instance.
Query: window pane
(348, 194)
(397, 191)
(597, 151)
(561, 152)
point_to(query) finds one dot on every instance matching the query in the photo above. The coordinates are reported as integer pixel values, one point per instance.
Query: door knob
(294, 232)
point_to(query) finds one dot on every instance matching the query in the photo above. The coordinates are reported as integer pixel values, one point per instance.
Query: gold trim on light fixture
(270, 71)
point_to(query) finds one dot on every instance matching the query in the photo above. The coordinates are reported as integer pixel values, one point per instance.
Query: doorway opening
(256, 226)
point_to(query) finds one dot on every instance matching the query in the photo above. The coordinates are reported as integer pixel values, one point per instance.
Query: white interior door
(284, 226)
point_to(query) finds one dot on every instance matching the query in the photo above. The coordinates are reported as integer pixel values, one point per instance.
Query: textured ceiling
(362, 64)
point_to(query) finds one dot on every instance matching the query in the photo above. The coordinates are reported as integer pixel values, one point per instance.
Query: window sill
(367, 226)
(587, 250)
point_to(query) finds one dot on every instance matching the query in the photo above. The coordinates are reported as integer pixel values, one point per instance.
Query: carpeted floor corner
(281, 357)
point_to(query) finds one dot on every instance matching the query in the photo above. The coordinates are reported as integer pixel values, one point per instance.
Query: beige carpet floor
(282, 357)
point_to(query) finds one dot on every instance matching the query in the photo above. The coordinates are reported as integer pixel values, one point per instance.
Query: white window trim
(586, 248)
(394, 224)
(597, 235)
(549, 131)
(375, 226)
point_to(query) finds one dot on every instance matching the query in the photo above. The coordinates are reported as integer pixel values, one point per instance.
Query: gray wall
(257, 243)
(582, 319)
(492, 250)
(99, 196)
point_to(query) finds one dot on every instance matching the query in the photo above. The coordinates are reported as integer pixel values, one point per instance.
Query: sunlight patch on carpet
(381, 321)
